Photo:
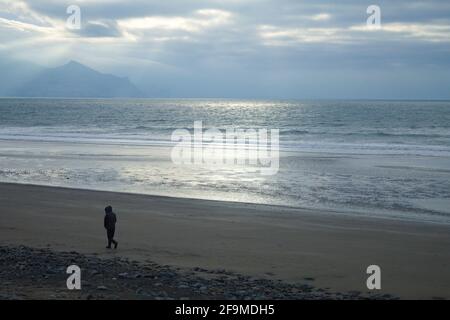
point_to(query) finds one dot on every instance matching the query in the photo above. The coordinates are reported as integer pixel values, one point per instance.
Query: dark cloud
(99, 29)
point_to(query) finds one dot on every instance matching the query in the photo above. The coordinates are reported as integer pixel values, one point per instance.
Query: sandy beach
(326, 249)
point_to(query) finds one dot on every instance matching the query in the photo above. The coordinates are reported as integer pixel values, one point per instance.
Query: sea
(388, 159)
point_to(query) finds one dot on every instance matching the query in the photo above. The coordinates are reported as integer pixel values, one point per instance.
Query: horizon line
(231, 98)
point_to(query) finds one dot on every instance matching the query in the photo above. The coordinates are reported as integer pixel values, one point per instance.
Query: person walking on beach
(110, 226)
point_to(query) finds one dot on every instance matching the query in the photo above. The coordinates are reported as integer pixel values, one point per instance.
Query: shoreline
(325, 211)
(268, 242)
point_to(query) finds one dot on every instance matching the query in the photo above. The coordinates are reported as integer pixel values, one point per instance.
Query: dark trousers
(110, 234)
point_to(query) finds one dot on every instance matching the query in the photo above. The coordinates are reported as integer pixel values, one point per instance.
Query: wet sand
(326, 249)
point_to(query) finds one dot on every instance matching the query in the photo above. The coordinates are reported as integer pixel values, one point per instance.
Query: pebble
(128, 280)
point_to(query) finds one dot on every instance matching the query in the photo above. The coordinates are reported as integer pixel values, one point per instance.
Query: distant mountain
(74, 80)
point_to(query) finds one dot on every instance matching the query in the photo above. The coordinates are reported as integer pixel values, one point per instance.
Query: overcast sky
(243, 48)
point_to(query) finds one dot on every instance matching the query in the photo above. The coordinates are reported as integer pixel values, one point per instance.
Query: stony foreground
(28, 273)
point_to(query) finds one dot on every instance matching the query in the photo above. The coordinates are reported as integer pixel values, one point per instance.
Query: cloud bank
(243, 49)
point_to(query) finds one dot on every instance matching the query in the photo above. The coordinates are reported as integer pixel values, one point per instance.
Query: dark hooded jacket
(110, 220)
